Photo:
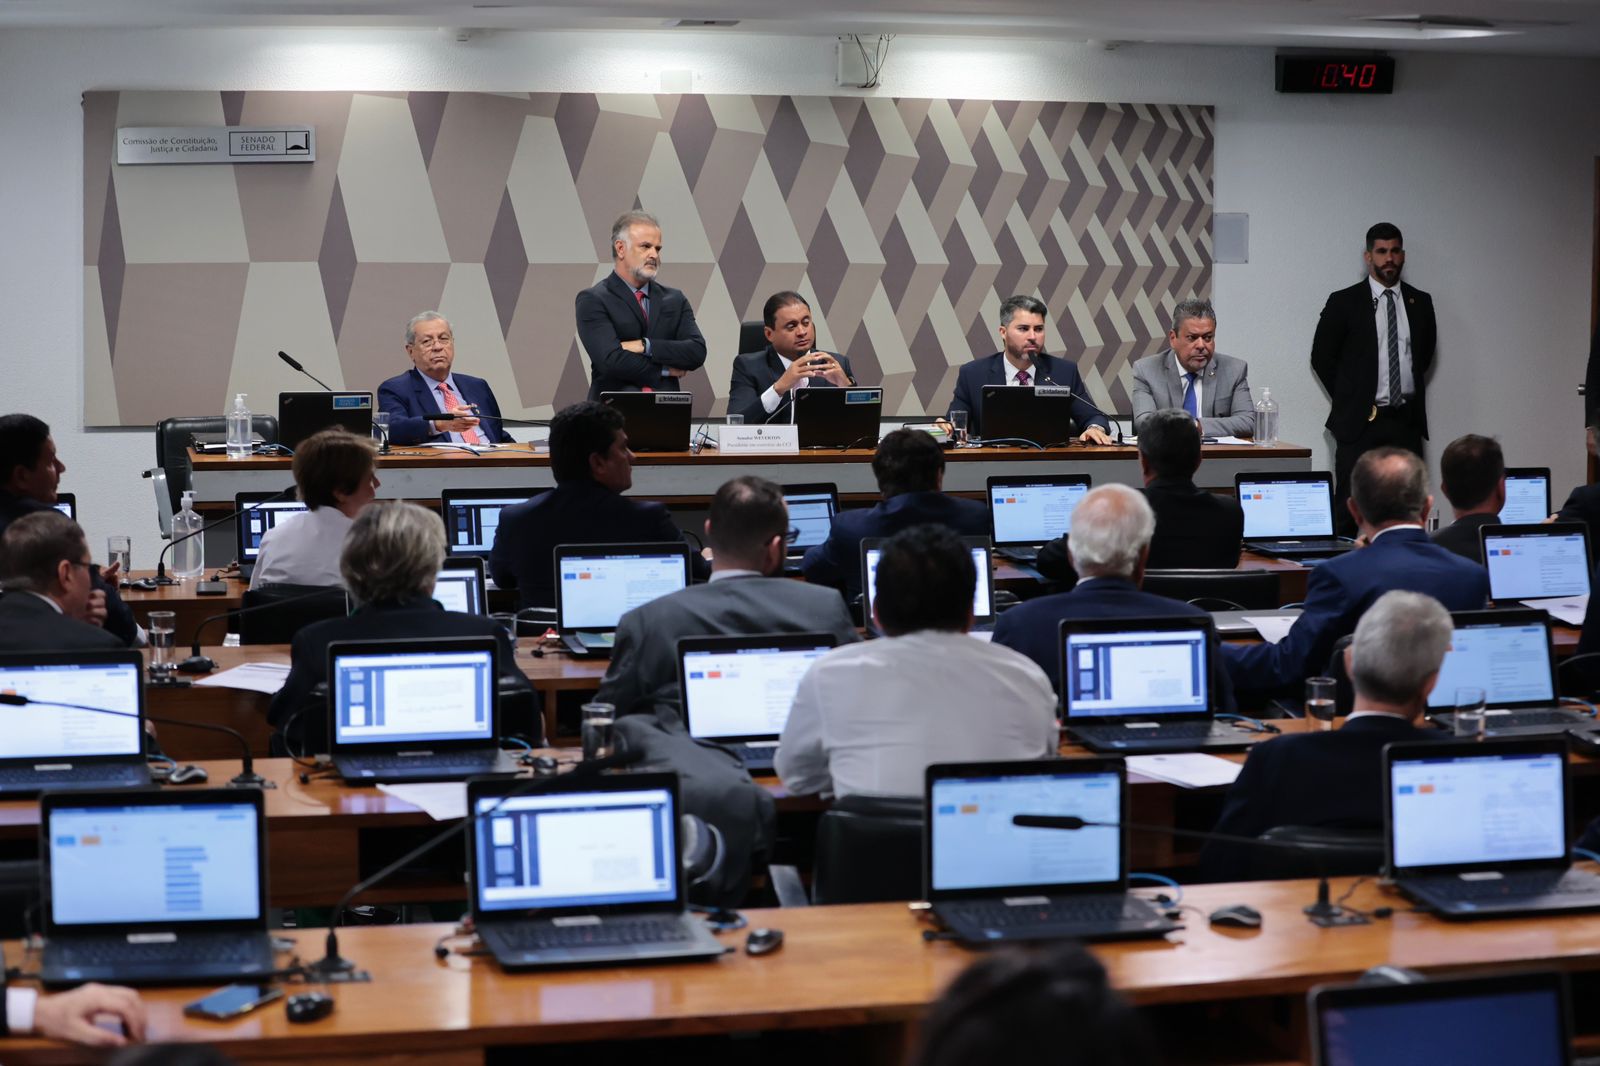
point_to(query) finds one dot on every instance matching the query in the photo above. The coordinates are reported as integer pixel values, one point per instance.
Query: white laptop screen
(31, 732)
(597, 590)
(1535, 566)
(974, 844)
(576, 849)
(179, 862)
(1033, 513)
(1136, 674)
(68, 508)
(472, 524)
(262, 517)
(458, 590)
(812, 514)
(1527, 497)
(982, 592)
(1511, 663)
(1486, 1027)
(743, 692)
(1477, 809)
(407, 696)
(1286, 508)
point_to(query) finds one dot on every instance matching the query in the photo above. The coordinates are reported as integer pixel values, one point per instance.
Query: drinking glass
(734, 420)
(1320, 700)
(163, 630)
(119, 549)
(958, 428)
(599, 730)
(380, 429)
(1471, 719)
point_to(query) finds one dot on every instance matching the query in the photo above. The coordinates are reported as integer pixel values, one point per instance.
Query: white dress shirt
(1199, 396)
(1380, 311)
(303, 549)
(772, 398)
(869, 718)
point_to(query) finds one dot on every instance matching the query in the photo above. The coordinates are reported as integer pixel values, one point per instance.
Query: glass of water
(163, 629)
(733, 420)
(1321, 700)
(380, 429)
(1471, 719)
(599, 730)
(119, 549)
(958, 428)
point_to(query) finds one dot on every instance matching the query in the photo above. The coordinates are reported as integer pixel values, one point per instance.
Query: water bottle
(239, 433)
(1266, 419)
(188, 555)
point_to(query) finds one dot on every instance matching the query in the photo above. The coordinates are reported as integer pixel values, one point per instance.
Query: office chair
(752, 337)
(869, 850)
(1338, 853)
(1216, 590)
(279, 621)
(172, 445)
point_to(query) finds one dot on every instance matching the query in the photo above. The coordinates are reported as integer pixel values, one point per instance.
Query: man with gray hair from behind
(1334, 779)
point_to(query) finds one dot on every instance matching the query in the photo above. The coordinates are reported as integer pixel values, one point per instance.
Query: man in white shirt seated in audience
(335, 473)
(869, 718)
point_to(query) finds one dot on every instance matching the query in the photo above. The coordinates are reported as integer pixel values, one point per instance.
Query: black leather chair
(1328, 852)
(19, 898)
(1217, 590)
(752, 337)
(869, 850)
(285, 610)
(172, 445)
(1344, 693)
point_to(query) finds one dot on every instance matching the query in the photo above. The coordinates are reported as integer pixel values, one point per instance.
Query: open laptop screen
(31, 732)
(1536, 562)
(1477, 808)
(1510, 662)
(169, 862)
(460, 588)
(470, 522)
(598, 588)
(812, 514)
(576, 849)
(1286, 507)
(1527, 496)
(67, 504)
(973, 844)
(1033, 510)
(260, 517)
(411, 695)
(1136, 673)
(745, 689)
(982, 592)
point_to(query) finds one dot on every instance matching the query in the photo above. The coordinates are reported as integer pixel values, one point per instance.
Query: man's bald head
(1390, 485)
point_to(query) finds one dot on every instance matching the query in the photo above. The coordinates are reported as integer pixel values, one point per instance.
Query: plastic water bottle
(188, 556)
(240, 437)
(1266, 418)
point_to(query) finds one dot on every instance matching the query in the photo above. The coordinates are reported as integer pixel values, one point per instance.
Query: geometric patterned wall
(904, 222)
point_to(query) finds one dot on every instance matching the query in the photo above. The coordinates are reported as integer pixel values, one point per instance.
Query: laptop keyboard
(432, 763)
(1516, 718)
(188, 950)
(29, 777)
(1516, 886)
(1053, 912)
(615, 932)
(1165, 731)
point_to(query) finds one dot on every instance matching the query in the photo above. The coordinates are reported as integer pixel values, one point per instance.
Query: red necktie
(638, 294)
(451, 405)
(1022, 377)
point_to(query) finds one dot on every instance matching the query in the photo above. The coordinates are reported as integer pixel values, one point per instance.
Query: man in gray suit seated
(1191, 375)
(748, 533)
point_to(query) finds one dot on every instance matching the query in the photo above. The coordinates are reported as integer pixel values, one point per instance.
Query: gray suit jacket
(1226, 407)
(643, 675)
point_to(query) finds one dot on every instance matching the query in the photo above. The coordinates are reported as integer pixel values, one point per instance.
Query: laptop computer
(1289, 516)
(1536, 562)
(259, 512)
(1040, 414)
(1486, 1020)
(586, 870)
(154, 887)
(419, 709)
(472, 517)
(596, 584)
(460, 585)
(737, 691)
(837, 418)
(1480, 830)
(1028, 511)
(44, 747)
(67, 504)
(1509, 655)
(300, 414)
(1527, 495)
(1139, 685)
(990, 881)
(811, 511)
(982, 593)
(655, 421)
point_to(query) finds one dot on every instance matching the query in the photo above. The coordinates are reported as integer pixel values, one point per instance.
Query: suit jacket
(1340, 590)
(574, 512)
(27, 623)
(1194, 528)
(1328, 780)
(1226, 409)
(608, 314)
(756, 372)
(836, 562)
(409, 396)
(1344, 355)
(1461, 536)
(643, 674)
(119, 616)
(994, 370)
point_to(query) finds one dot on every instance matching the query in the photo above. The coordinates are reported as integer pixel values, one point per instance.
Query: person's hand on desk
(70, 1016)
(1095, 435)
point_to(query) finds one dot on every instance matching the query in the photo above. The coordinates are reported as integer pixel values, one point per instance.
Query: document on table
(1272, 627)
(252, 677)
(1234, 440)
(1187, 770)
(443, 801)
(1568, 609)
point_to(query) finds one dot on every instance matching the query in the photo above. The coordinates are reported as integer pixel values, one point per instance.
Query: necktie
(1396, 395)
(1022, 377)
(1189, 403)
(452, 404)
(638, 294)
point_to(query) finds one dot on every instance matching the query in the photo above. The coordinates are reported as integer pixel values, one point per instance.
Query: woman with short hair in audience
(335, 473)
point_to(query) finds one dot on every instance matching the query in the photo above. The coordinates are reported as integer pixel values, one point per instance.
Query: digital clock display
(1335, 74)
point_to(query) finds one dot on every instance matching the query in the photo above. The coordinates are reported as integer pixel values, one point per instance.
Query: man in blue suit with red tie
(430, 403)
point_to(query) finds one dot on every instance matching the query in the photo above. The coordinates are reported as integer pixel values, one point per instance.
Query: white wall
(1488, 166)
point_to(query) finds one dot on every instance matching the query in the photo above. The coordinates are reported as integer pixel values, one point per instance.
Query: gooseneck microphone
(294, 364)
(197, 663)
(161, 577)
(1041, 373)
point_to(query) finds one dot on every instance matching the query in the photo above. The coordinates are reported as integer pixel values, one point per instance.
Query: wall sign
(216, 144)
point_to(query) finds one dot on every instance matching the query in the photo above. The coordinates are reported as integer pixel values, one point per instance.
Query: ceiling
(1540, 27)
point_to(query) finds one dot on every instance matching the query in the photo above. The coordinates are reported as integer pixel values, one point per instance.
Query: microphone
(335, 967)
(1041, 372)
(202, 664)
(245, 778)
(1323, 912)
(161, 577)
(294, 364)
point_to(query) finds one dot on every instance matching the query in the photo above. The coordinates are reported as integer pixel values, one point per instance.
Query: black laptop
(838, 418)
(1479, 830)
(259, 512)
(983, 612)
(596, 584)
(993, 882)
(460, 585)
(1289, 516)
(44, 747)
(737, 691)
(811, 511)
(1536, 561)
(584, 871)
(1527, 495)
(472, 517)
(1143, 685)
(1028, 511)
(67, 504)
(656, 421)
(154, 887)
(300, 414)
(1036, 414)
(1510, 656)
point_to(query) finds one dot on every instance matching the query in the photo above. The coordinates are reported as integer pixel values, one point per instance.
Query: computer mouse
(189, 774)
(1237, 916)
(763, 941)
(1584, 742)
(544, 765)
(308, 1006)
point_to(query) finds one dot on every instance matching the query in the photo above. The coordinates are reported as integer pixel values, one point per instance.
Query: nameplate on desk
(759, 440)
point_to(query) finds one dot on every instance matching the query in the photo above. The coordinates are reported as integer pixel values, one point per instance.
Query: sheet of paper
(1234, 440)
(1186, 770)
(1568, 609)
(443, 801)
(252, 677)
(1272, 627)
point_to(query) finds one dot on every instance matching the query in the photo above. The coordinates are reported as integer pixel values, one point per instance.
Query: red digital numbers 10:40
(1348, 75)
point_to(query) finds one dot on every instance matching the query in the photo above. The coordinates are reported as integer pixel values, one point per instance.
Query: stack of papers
(1568, 609)
(252, 677)
(443, 801)
(1272, 627)
(1186, 770)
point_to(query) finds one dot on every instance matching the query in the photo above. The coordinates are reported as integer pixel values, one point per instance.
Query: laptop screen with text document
(1477, 808)
(1136, 673)
(596, 588)
(412, 695)
(1286, 507)
(744, 688)
(812, 514)
(982, 592)
(1509, 662)
(1026, 511)
(460, 588)
(1527, 497)
(31, 732)
(1536, 562)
